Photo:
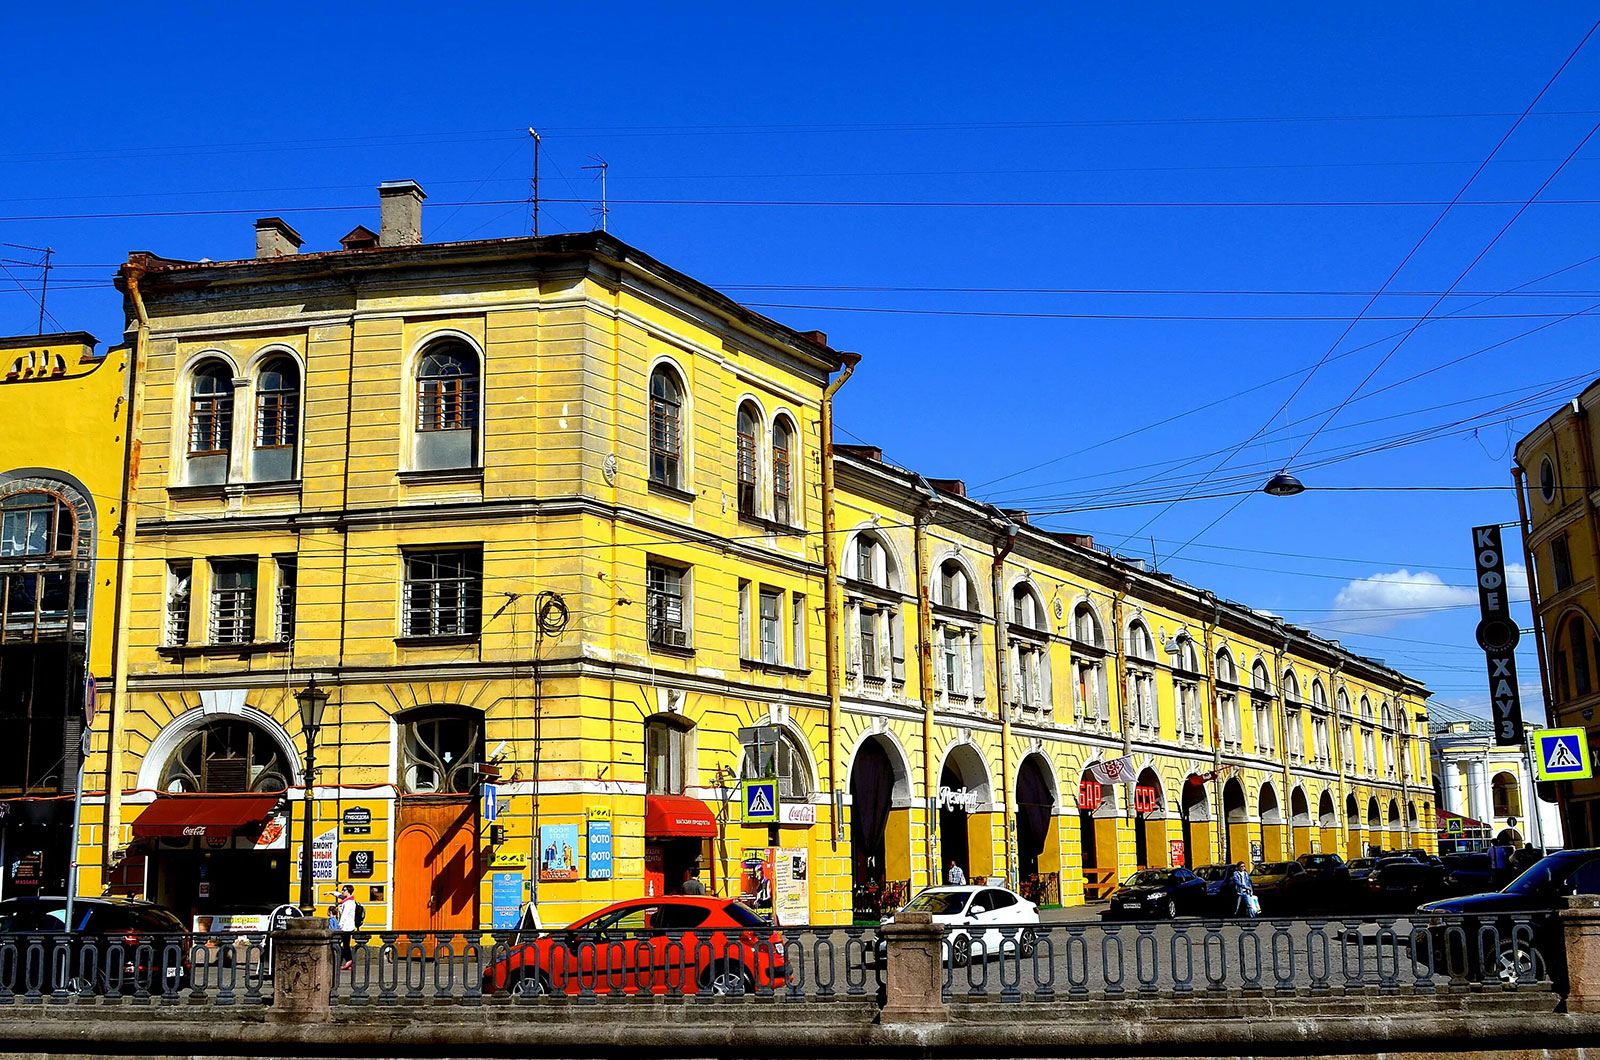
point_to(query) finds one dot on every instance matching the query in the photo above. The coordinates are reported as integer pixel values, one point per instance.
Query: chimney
(400, 213)
(275, 239)
(949, 485)
(359, 238)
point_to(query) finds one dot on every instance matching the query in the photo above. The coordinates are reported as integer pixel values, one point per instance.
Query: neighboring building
(61, 474)
(551, 505)
(1491, 789)
(1559, 495)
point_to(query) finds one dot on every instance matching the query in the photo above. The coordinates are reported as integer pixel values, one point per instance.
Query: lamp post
(312, 700)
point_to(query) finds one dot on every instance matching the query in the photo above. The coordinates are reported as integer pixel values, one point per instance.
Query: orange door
(413, 883)
(436, 866)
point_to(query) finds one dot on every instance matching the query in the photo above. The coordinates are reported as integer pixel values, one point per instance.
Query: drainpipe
(830, 563)
(116, 736)
(1519, 479)
(919, 528)
(1003, 547)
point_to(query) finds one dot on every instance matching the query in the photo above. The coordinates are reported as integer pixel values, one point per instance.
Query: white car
(973, 917)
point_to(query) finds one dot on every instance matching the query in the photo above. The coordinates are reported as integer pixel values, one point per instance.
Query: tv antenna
(535, 198)
(44, 276)
(602, 165)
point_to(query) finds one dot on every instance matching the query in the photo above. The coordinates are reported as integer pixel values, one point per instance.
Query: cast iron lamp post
(312, 700)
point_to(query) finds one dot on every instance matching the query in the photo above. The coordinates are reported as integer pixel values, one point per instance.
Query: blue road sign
(1562, 754)
(491, 802)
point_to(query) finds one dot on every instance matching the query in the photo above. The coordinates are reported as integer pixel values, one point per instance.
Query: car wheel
(961, 951)
(1519, 961)
(1172, 909)
(1027, 942)
(728, 982)
(522, 985)
(81, 984)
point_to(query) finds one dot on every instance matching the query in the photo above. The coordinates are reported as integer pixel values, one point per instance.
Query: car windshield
(1361, 863)
(1213, 873)
(1321, 861)
(1152, 878)
(939, 903)
(1275, 868)
(1541, 876)
(743, 915)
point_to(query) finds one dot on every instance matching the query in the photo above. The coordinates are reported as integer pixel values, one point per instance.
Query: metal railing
(137, 969)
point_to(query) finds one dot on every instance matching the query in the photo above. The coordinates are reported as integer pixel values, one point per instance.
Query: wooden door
(436, 866)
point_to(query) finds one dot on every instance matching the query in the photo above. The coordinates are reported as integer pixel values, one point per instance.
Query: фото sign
(599, 843)
(1562, 754)
(1497, 634)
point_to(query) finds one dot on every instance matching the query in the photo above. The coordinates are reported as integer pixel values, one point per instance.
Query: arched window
(1266, 720)
(1187, 712)
(955, 588)
(1366, 709)
(1294, 736)
(748, 466)
(787, 761)
(1027, 610)
(1086, 627)
(1030, 649)
(1140, 646)
(1260, 679)
(1291, 687)
(873, 563)
(1088, 659)
(872, 615)
(277, 421)
(1227, 672)
(447, 406)
(955, 634)
(1141, 678)
(1343, 699)
(35, 523)
(1228, 699)
(667, 748)
(783, 510)
(210, 423)
(1319, 694)
(227, 756)
(440, 750)
(1507, 795)
(666, 427)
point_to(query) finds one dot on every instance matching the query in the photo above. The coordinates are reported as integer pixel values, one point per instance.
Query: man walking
(349, 916)
(954, 876)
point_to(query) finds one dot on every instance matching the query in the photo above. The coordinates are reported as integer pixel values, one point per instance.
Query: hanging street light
(1283, 484)
(312, 700)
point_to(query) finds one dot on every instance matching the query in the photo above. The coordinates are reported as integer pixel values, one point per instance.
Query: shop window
(782, 470)
(665, 615)
(233, 601)
(180, 579)
(666, 755)
(226, 757)
(747, 443)
(1561, 561)
(440, 751)
(785, 760)
(277, 421)
(447, 407)
(443, 593)
(666, 427)
(210, 424)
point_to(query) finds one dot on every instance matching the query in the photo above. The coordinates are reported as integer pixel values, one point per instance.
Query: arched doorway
(1413, 824)
(966, 836)
(1328, 822)
(1236, 823)
(1508, 837)
(1353, 846)
(1150, 847)
(1506, 795)
(1195, 810)
(1396, 838)
(880, 837)
(1271, 818)
(1097, 835)
(436, 855)
(1300, 836)
(1374, 826)
(1038, 838)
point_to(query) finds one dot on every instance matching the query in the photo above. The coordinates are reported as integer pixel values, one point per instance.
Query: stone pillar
(1580, 926)
(1449, 777)
(302, 966)
(1478, 803)
(914, 980)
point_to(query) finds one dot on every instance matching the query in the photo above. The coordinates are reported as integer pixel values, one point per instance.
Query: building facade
(548, 516)
(1559, 497)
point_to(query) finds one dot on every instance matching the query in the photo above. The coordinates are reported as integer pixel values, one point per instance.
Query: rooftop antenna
(602, 165)
(534, 133)
(44, 285)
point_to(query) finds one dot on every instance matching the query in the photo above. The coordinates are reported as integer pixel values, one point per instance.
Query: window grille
(443, 593)
(277, 406)
(211, 411)
(664, 606)
(666, 411)
(179, 581)
(781, 473)
(233, 602)
(747, 462)
(447, 390)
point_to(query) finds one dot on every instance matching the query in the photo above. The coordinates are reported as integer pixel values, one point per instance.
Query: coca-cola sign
(194, 830)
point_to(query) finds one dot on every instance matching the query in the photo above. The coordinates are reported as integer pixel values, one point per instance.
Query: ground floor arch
(1328, 822)
(1301, 837)
(1194, 810)
(880, 826)
(1374, 832)
(1038, 837)
(1150, 846)
(1354, 847)
(1097, 835)
(1270, 814)
(966, 809)
(1236, 823)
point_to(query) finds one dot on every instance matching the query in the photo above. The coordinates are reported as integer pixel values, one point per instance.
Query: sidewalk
(1089, 911)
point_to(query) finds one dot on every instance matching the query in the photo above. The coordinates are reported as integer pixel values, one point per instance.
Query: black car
(1323, 885)
(1160, 893)
(1400, 884)
(1272, 881)
(1360, 868)
(1219, 888)
(117, 941)
(1526, 935)
(1468, 873)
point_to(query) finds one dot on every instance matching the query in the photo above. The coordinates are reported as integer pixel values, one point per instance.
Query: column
(1449, 777)
(1477, 791)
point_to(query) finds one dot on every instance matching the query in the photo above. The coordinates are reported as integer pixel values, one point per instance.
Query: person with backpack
(351, 916)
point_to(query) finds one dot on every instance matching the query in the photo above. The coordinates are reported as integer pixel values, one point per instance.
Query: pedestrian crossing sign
(1562, 754)
(760, 801)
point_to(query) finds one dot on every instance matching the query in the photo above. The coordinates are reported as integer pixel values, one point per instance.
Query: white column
(1449, 782)
(1478, 792)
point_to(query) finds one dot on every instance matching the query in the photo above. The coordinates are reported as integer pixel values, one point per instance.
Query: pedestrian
(1244, 895)
(954, 876)
(692, 884)
(349, 917)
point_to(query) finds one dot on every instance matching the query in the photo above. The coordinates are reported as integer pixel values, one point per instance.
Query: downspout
(1519, 479)
(919, 527)
(1008, 531)
(830, 591)
(116, 733)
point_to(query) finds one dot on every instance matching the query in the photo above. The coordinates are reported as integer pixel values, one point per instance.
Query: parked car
(1360, 868)
(1534, 952)
(1272, 883)
(976, 919)
(154, 943)
(677, 943)
(1400, 884)
(1219, 891)
(1160, 893)
(1324, 884)
(1468, 873)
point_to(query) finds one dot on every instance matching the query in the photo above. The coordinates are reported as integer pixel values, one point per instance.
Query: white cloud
(1377, 603)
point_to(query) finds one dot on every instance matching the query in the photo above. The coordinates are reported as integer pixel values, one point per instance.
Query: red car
(673, 944)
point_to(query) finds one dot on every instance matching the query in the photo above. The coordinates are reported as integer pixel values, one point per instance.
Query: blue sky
(1050, 136)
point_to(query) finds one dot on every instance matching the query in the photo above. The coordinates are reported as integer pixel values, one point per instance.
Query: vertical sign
(491, 802)
(599, 843)
(506, 899)
(325, 857)
(1497, 635)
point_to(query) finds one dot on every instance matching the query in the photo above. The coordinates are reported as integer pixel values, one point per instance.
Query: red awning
(203, 816)
(678, 815)
(1466, 822)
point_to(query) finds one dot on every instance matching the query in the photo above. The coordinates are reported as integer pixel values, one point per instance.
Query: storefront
(678, 831)
(214, 855)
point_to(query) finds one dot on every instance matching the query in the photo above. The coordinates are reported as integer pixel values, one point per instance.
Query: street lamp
(312, 700)
(1283, 484)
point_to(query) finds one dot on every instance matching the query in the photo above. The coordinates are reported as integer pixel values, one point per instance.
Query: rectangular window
(1561, 561)
(180, 577)
(665, 449)
(797, 631)
(276, 412)
(772, 626)
(443, 593)
(210, 424)
(444, 403)
(870, 666)
(744, 619)
(664, 756)
(780, 477)
(288, 584)
(954, 673)
(233, 601)
(664, 610)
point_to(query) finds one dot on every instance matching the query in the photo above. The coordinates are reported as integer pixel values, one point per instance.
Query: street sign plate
(760, 801)
(491, 802)
(1562, 754)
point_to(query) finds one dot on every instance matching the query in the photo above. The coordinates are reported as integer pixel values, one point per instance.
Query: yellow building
(61, 475)
(1559, 496)
(547, 511)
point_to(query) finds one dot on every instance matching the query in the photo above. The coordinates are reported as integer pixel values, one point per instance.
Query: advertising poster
(1175, 852)
(599, 844)
(325, 857)
(755, 880)
(558, 852)
(507, 899)
(791, 885)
